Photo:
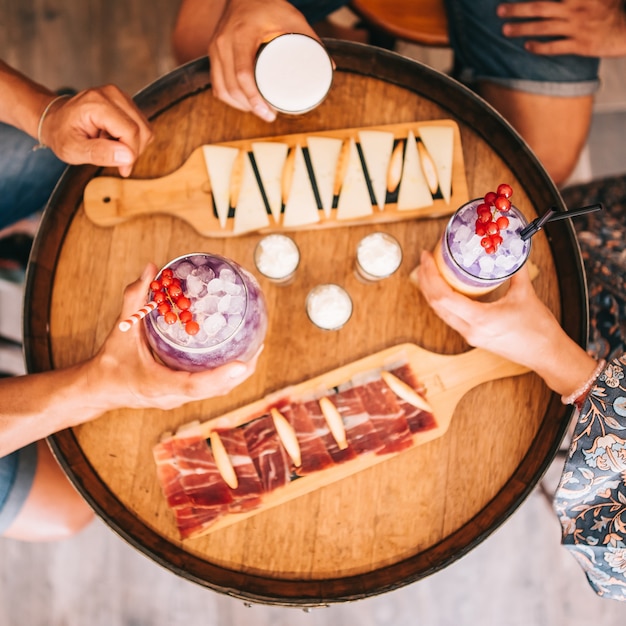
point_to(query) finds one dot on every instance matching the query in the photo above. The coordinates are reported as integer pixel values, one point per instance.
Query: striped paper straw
(128, 323)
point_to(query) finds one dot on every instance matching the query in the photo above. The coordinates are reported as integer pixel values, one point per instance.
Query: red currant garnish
(164, 308)
(490, 197)
(503, 222)
(488, 222)
(175, 290)
(502, 204)
(183, 303)
(155, 286)
(170, 317)
(192, 328)
(185, 316)
(505, 190)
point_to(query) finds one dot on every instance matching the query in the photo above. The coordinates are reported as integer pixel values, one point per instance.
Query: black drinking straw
(552, 215)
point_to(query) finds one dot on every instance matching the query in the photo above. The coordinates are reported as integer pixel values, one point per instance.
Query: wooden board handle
(109, 201)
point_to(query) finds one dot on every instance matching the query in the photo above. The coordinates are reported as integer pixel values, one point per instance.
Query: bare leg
(54, 509)
(556, 128)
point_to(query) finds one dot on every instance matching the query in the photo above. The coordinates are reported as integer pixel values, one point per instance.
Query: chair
(422, 22)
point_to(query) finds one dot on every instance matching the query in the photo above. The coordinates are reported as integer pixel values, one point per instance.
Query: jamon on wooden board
(379, 423)
(197, 191)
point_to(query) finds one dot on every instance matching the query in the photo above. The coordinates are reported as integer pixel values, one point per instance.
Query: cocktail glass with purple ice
(226, 304)
(467, 265)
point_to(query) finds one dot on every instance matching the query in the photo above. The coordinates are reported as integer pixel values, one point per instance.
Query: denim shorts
(316, 10)
(17, 471)
(27, 178)
(483, 53)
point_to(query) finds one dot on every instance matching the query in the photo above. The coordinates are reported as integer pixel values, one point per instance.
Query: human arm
(518, 327)
(122, 374)
(101, 125)
(594, 28)
(231, 31)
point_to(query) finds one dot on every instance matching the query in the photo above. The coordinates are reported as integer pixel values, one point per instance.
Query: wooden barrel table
(383, 527)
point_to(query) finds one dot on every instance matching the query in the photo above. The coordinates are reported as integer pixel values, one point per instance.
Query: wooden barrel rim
(471, 110)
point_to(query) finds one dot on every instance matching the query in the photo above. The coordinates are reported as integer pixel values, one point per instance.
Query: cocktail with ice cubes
(465, 263)
(224, 304)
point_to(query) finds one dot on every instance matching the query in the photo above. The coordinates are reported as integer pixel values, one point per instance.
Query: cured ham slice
(417, 419)
(247, 495)
(199, 475)
(322, 430)
(360, 432)
(315, 456)
(269, 458)
(386, 415)
(190, 519)
(169, 474)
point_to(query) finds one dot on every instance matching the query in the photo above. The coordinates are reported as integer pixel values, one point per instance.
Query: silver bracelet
(578, 396)
(41, 145)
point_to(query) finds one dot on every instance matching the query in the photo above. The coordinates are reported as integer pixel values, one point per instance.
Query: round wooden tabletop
(385, 526)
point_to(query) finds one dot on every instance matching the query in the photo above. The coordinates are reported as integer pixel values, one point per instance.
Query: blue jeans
(481, 52)
(27, 178)
(17, 471)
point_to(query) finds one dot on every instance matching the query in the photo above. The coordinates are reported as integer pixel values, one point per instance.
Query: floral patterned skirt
(591, 498)
(602, 239)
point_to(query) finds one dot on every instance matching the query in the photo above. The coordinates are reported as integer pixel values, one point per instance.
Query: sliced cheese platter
(315, 180)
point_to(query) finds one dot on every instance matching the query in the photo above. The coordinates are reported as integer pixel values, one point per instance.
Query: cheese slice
(377, 147)
(300, 205)
(324, 154)
(270, 157)
(219, 161)
(439, 141)
(414, 192)
(250, 212)
(354, 196)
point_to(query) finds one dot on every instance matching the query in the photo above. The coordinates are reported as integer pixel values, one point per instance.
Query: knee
(53, 509)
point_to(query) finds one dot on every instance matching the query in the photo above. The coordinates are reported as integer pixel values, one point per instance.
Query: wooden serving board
(187, 193)
(446, 378)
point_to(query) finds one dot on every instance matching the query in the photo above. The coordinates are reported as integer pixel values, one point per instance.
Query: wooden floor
(520, 576)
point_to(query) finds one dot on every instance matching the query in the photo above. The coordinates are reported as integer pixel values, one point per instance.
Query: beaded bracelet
(578, 397)
(41, 145)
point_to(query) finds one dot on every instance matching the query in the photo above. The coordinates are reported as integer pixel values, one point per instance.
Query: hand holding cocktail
(482, 245)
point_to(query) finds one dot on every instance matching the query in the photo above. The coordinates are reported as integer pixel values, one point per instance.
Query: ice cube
(224, 303)
(516, 247)
(194, 286)
(234, 289)
(183, 270)
(205, 273)
(237, 304)
(207, 304)
(462, 233)
(487, 264)
(227, 275)
(213, 324)
(506, 262)
(215, 286)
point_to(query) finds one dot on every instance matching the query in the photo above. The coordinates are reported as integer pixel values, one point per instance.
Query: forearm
(560, 361)
(38, 405)
(22, 101)
(195, 26)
